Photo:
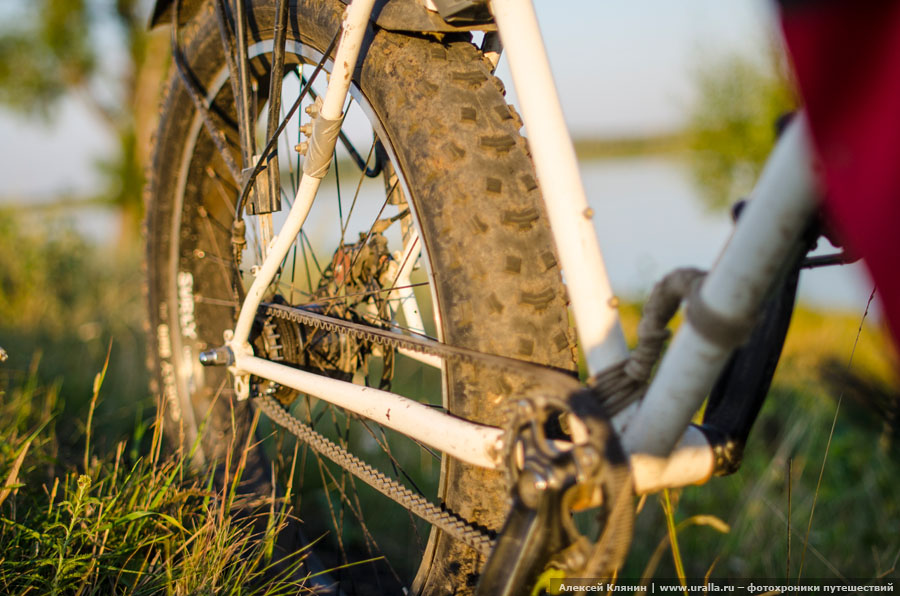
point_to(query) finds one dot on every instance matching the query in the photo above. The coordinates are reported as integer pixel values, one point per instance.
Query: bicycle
(244, 312)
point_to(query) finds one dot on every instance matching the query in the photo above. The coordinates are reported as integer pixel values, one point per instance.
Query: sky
(626, 67)
(623, 68)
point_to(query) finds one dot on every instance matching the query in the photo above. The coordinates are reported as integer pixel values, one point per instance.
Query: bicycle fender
(409, 16)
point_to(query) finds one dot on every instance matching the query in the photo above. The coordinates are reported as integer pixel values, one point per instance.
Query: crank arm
(532, 535)
(549, 484)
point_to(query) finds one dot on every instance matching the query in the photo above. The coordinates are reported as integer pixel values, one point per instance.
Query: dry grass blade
(98, 383)
(127, 526)
(673, 538)
(12, 478)
(695, 520)
(837, 410)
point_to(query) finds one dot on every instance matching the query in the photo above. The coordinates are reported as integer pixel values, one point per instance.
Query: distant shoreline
(592, 148)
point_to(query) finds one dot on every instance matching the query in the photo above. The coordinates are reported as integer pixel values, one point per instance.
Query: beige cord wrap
(321, 146)
(724, 332)
(624, 383)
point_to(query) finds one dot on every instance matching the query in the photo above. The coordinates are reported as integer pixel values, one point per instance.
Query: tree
(731, 129)
(55, 48)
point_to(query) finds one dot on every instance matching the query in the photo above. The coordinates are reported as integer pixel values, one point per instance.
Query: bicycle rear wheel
(456, 173)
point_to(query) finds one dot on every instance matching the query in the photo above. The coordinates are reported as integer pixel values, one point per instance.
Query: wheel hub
(354, 287)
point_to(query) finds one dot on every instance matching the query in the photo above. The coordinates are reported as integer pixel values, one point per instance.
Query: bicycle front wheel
(428, 122)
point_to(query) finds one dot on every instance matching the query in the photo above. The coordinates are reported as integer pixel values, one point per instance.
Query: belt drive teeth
(479, 538)
(562, 381)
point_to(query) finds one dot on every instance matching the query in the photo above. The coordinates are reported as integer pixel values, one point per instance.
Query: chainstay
(563, 381)
(474, 536)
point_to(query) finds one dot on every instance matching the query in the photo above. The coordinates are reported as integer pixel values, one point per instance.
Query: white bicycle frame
(665, 450)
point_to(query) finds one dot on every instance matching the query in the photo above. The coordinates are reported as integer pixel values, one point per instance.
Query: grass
(62, 301)
(110, 524)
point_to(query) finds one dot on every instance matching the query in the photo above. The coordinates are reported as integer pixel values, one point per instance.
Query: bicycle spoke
(374, 320)
(358, 509)
(365, 240)
(290, 162)
(223, 193)
(363, 294)
(293, 273)
(312, 252)
(282, 267)
(337, 185)
(353, 505)
(399, 470)
(298, 72)
(202, 255)
(219, 225)
(215, 301)
(224, 265)
(356, 195)
(385, 447)
(286, 286)
(339, 535)
(215, 133)
(305, 262)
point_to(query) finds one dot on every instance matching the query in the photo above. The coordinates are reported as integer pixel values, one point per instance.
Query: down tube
(593, 302)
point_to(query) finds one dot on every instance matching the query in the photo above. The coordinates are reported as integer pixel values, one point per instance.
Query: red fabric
(847, 61)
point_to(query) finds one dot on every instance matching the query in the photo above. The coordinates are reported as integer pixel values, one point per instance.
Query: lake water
(649, 221)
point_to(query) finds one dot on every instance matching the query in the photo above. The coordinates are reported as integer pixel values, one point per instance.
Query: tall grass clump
(120, 523)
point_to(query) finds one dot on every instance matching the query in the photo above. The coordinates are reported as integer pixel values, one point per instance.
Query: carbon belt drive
(558, 384)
